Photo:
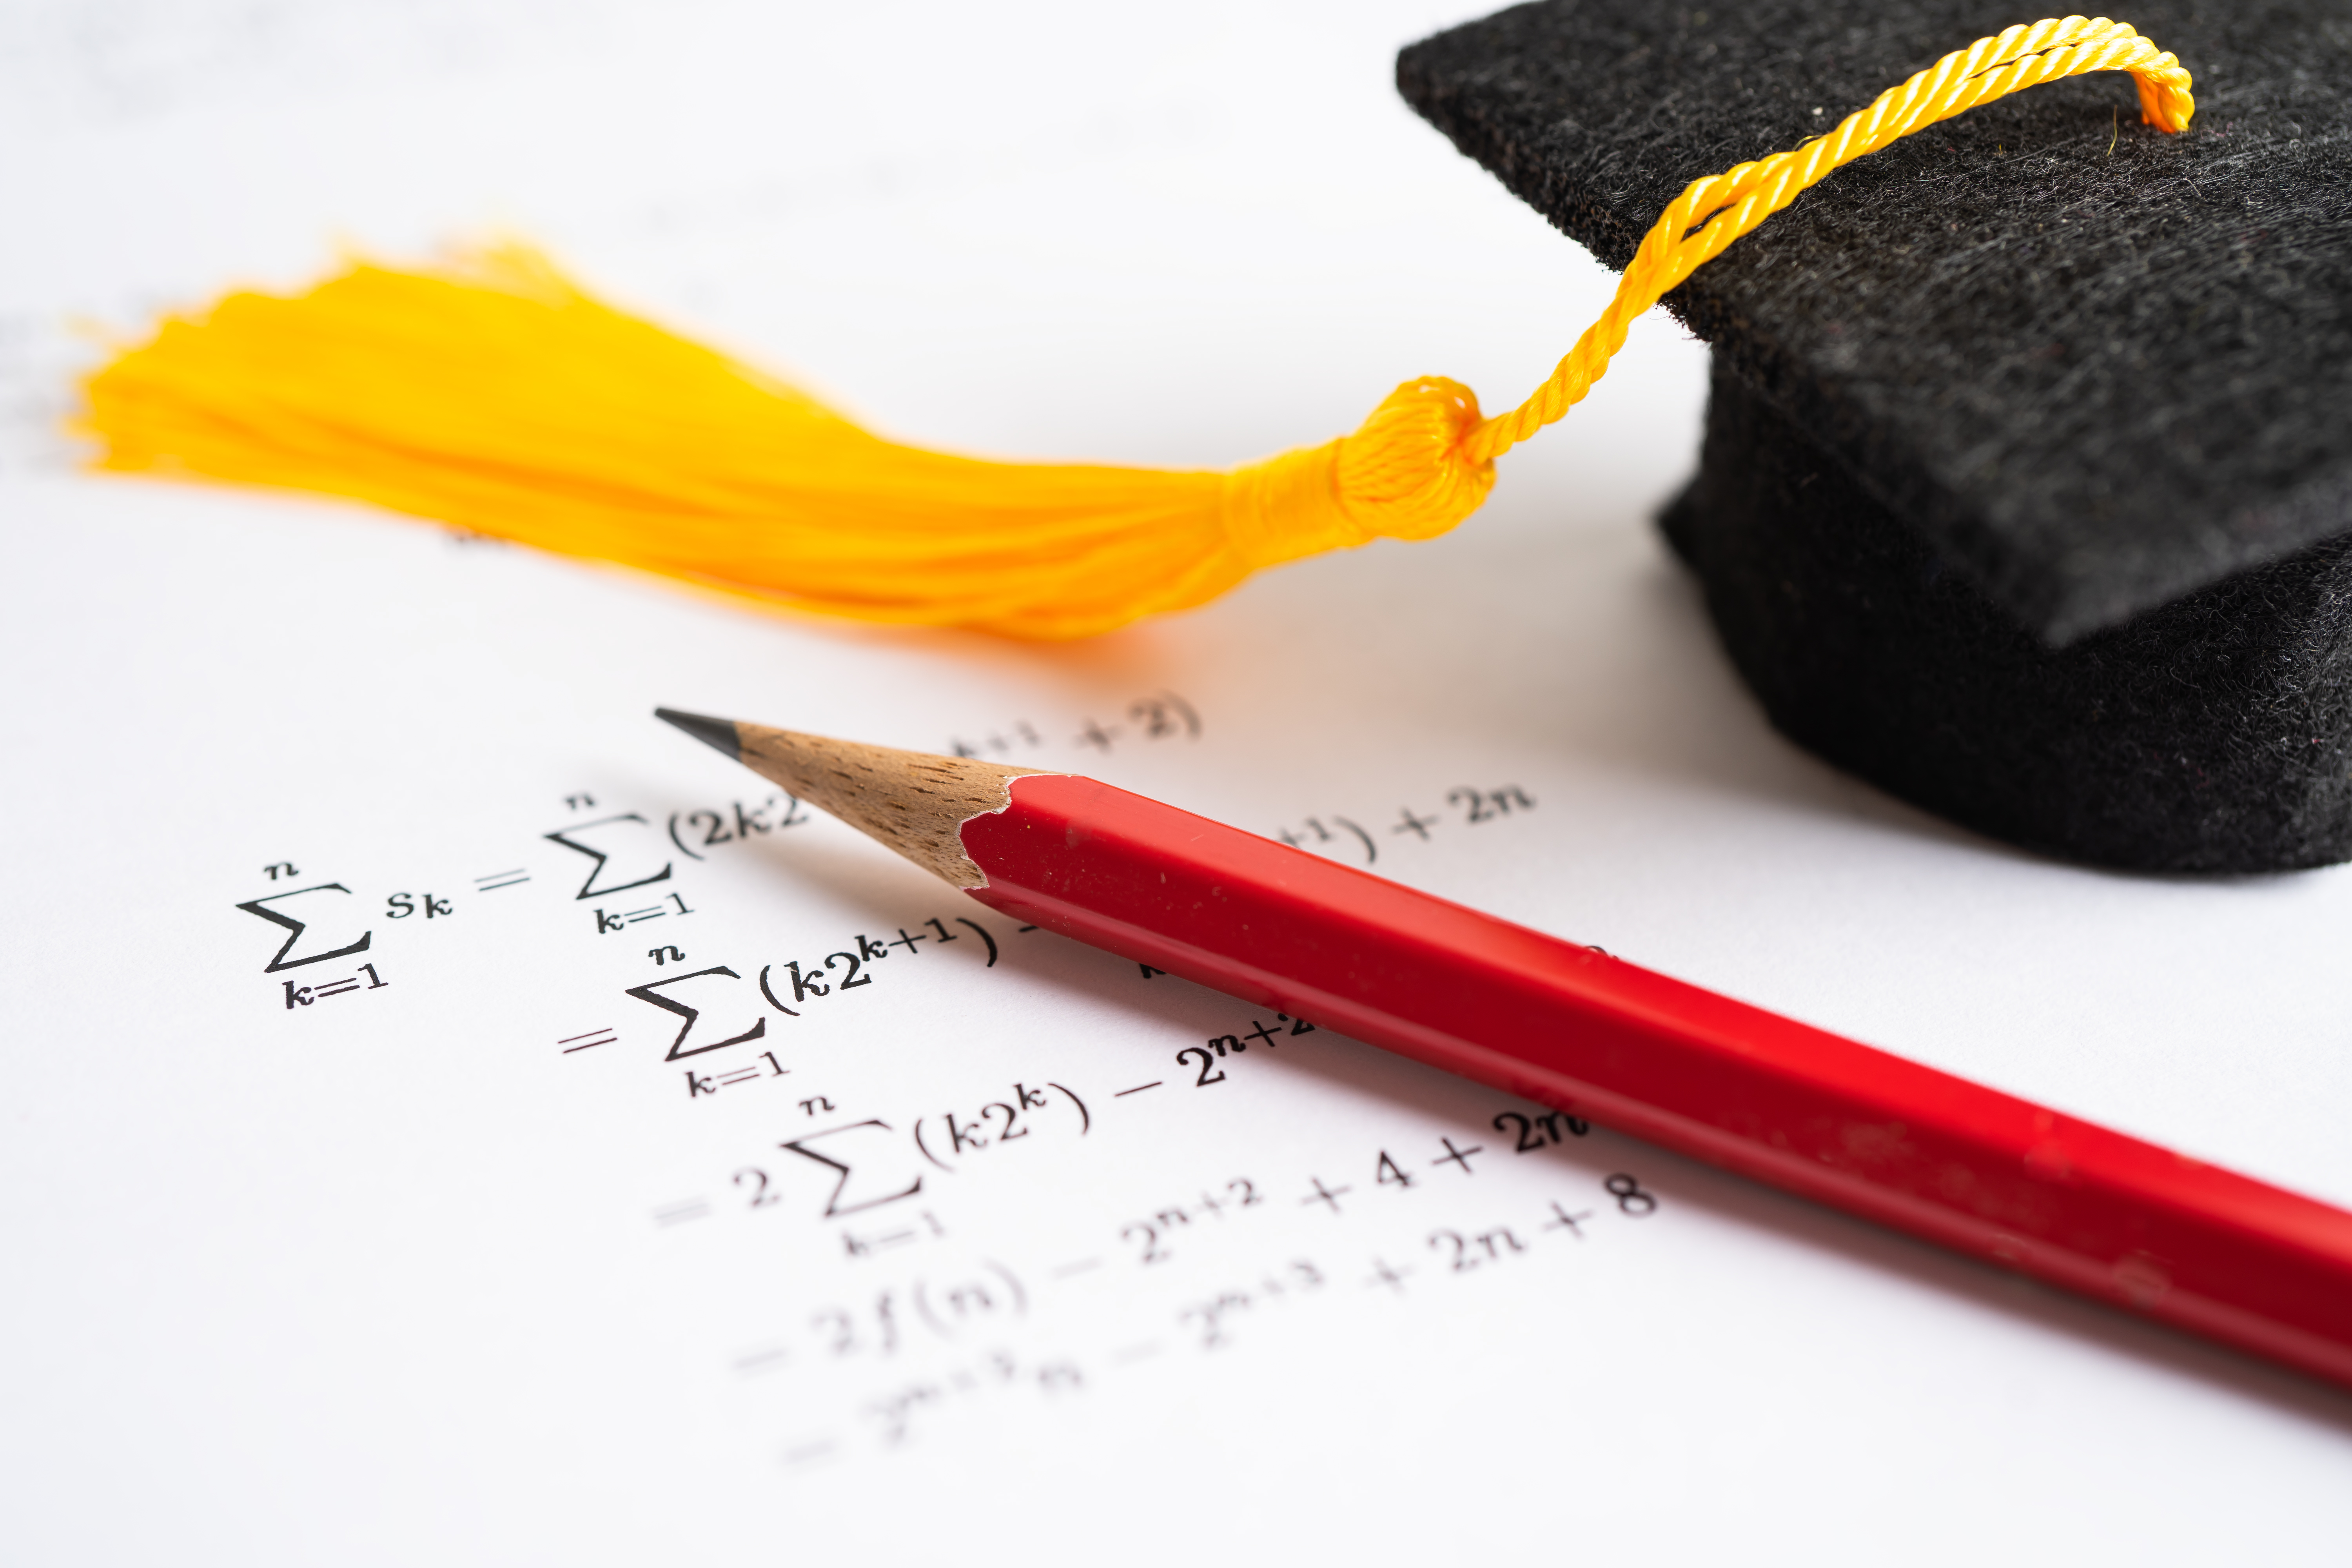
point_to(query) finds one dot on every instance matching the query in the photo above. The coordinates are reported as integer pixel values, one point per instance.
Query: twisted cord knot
(1404, 474)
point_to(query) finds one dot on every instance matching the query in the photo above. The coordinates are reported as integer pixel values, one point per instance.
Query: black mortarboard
(2026, 488)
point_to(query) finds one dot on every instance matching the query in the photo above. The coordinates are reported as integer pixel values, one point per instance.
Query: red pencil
(1981, 1171)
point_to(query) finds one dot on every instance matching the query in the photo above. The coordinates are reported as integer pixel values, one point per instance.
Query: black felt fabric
(2097, 366)
(2212, 735)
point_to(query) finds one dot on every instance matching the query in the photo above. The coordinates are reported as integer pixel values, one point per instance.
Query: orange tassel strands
(493, 393)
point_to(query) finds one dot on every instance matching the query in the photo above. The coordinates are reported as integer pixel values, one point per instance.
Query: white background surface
(382, 1288)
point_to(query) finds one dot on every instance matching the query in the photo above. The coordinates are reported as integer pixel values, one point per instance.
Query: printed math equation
(930, 1280)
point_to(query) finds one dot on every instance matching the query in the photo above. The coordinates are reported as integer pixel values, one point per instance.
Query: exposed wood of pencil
(915, 802)
(1967, 1167)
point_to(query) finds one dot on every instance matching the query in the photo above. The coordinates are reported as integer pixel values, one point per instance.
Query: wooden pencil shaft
(914, 802)
(1951, 1161)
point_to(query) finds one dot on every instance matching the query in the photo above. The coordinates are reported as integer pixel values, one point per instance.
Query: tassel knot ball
(1402, 475)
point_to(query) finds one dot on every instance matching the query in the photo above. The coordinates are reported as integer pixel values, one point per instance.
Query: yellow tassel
(495, 395)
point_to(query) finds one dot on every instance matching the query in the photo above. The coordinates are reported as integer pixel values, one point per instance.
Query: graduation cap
(2026, 487)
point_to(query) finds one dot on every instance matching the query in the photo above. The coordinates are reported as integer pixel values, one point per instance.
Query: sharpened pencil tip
(718, 734)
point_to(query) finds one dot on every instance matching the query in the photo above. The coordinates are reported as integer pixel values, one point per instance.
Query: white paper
(432, 1252)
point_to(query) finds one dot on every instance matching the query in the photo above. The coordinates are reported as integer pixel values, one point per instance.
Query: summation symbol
(679, 1047)
(616, 836)
(872, 1193)
(295, 927)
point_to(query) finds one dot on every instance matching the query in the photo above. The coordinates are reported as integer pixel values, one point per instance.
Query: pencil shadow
(871, 887)
(2152, 1343)
(1813, 1228)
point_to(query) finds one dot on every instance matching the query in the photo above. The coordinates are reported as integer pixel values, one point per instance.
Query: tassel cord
(1712, 212)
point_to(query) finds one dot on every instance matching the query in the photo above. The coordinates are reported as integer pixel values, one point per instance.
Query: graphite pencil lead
(718, 734)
